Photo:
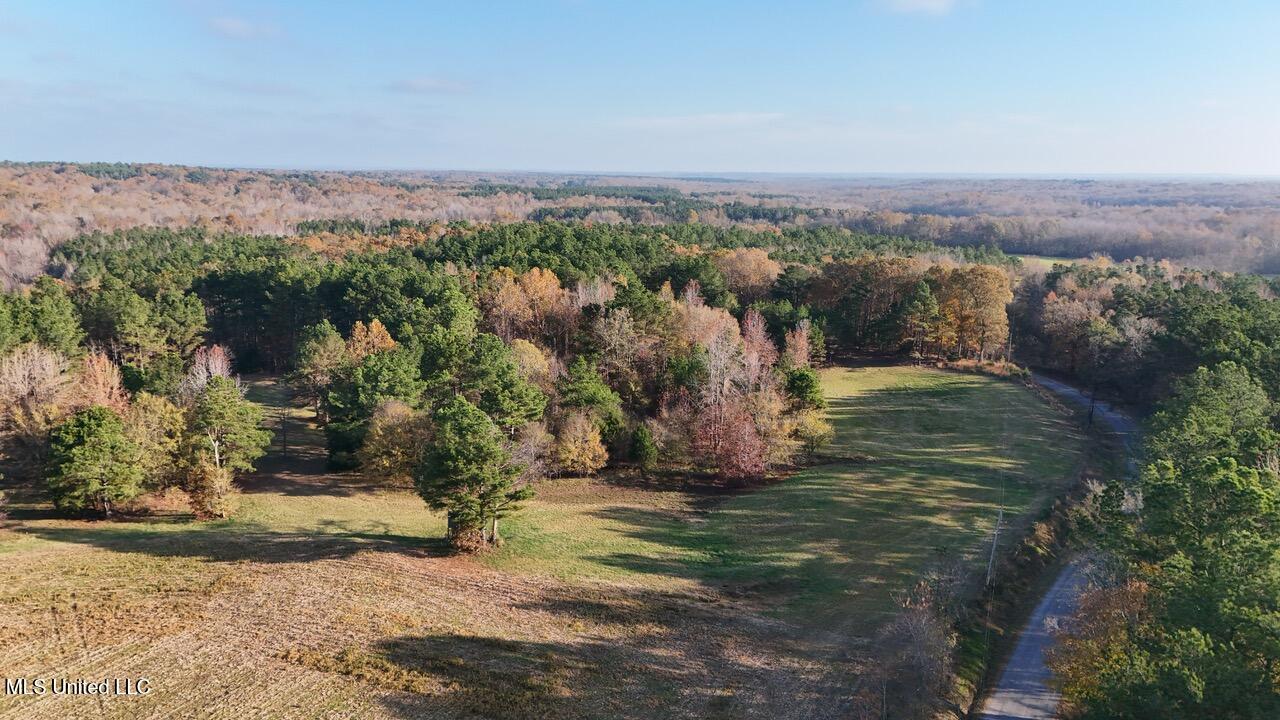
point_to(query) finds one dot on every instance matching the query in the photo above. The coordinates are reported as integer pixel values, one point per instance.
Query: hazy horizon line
(709, 175)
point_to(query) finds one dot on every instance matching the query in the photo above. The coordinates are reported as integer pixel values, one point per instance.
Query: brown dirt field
(392, 633)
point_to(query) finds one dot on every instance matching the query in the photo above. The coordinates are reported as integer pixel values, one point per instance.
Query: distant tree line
(1131, 330)
(1211, 224)
(656, 194)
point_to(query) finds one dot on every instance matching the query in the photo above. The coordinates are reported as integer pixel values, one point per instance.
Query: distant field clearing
(1045, 262)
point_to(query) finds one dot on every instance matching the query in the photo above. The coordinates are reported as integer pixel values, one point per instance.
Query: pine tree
(582, 387)
(920, 318)
(321, 356)
(804, 389)
(493, 381)
(225, 428)
(1220, 412)
(53, 318)
(644, 450)
(467, 472)
(357, 392)
(121, 320)
(92, 462)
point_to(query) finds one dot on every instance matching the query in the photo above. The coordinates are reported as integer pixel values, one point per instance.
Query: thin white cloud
(428, 85)
(237, 28)
(241, 86)
(705, 121)
(921, 7)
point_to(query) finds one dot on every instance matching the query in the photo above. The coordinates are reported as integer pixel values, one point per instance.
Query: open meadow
(326, 595)
(1044, 263)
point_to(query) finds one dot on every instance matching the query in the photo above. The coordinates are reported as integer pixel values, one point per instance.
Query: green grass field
(329, 596)
(1044, 262)
(944, 453)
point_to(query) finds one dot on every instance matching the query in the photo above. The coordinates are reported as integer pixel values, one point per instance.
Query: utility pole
(995, 539)
(284, 433)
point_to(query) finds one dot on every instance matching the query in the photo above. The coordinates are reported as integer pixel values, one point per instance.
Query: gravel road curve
(1023, 691)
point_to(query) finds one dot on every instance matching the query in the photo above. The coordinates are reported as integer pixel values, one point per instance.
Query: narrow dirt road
(1105, 414)
(1023, 691)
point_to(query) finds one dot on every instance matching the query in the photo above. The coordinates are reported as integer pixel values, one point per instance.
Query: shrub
(804, 388)
(813, 432)
(212, 493)
(578, 448)
(643, 449)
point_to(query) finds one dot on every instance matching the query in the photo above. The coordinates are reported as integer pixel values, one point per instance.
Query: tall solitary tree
(467, 472)
(226, 426)
(225, 437)
(322, 355)
(92, 462)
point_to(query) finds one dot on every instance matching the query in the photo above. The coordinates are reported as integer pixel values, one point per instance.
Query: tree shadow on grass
(235, 543)
(289, 481)
(678, 660)
(778, 564)
(468, 676)
(957, 426)
(846, 539)
(819, 543)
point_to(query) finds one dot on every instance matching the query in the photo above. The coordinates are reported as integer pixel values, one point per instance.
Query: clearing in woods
(1045, 263)
(329, 596)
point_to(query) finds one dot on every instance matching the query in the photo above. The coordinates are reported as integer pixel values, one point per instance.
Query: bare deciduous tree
(100, 383)
(33, 398)
(208, 363)
(797, 345)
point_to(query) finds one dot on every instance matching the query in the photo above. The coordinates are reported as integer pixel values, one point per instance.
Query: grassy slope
(946, 451)
(596, 578)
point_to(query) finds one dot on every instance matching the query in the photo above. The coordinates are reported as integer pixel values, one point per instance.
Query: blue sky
(838, 86)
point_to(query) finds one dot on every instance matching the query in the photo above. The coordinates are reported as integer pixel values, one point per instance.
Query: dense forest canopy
(1181, 618)
(1233, 225)
(1131, 329)
(569, 346)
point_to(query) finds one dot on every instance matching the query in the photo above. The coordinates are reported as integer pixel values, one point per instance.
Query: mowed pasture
(327, 595)
(1045, 263)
